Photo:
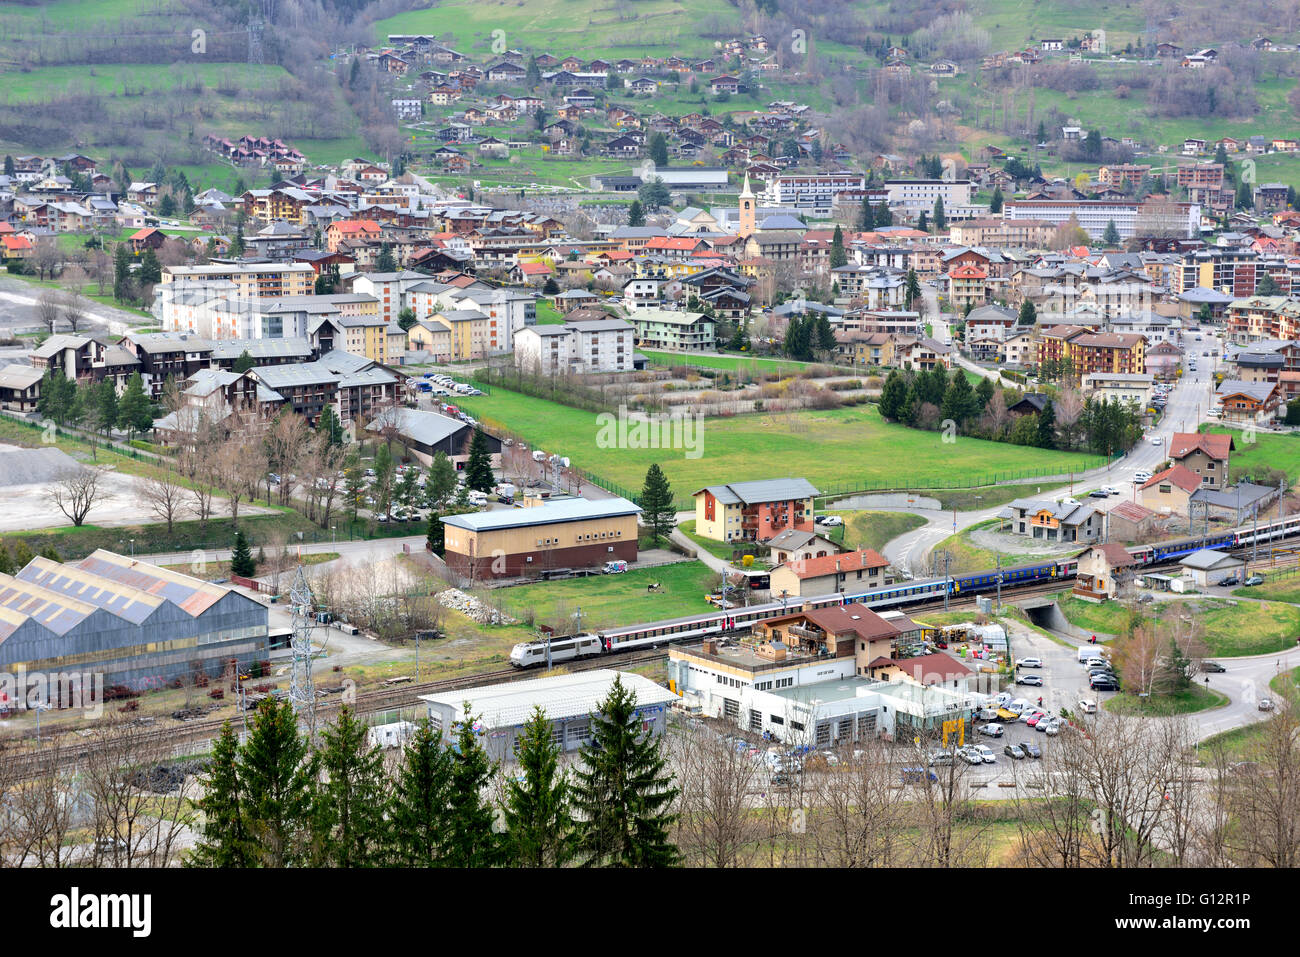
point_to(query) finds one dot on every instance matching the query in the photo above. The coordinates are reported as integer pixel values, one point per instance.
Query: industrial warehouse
(139, 625)
(569, 701)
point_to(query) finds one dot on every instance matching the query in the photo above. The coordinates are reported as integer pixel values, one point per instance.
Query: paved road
(1188, 403)
(18, 301)
(369, 550)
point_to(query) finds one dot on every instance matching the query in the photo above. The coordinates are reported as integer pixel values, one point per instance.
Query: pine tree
(383, 482)
(635, 214)
(421, 808)
(7, 560)
(940, 220)
(657, 503)
(478, 469)
(538, 821)
(838, 256)
(9, 165)
(278, 779)
(440, 483)
(659, 149)
(922, 223)
(243, 363)
(983, 393)
(1047, 426)
(893, 395)
(121, 272)
(51, 553)
(621, 792)
(825, 334)
(435, 535)
(354, 484)
(385, 262)
(225, 841)
(1266, 286)
(150, 268)
(740, 338)
(351, 815)
(330, 427)
(406, 319)
(1111, 236)
(134, 410)
(867, 218)
(912, 290)
(995, 204)
(883, 216)
(1028, 314)
(474, 843)
(241, 557)
(22, 555)
(958, 399)
(533, 74)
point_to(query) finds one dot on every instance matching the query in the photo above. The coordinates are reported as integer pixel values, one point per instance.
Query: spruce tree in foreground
(278, 777)
(420, 814)
(657, 503)
(478, 470)
(351, 815)
(538, 821)
(622, 794)
(473, 841)
(241, 557)
(225, 841)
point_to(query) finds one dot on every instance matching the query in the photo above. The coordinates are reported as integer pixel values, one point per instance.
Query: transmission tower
(302, 690)
(260, 13)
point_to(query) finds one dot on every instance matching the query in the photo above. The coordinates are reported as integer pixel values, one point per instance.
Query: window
(776, 719)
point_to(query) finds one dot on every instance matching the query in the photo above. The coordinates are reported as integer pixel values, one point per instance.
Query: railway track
(182, 738)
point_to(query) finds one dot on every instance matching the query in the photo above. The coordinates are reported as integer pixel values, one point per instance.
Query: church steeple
(747, 223)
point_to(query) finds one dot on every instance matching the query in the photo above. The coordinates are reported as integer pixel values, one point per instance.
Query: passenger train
(900, 594)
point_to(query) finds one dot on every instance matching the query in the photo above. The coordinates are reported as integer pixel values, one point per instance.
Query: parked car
(940, 757)
(1254, 580)
(1102, 683)
(1014, 751)
(1029, 680)
(1032, 750)
(992, 730)
(1099, 493)
(1229, 580)
(1213, 667)
(1035, 720)
(970, 757)
(832, 521)
(1052, 728)
(1265, 704)
(1142, 475)
(984, 751)
(1087, 706)
(917, 775)
(1031, 662)
(1157, 440)
(1111, 490)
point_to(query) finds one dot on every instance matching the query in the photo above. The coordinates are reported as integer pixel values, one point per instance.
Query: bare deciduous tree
(164, 494)
(75, 492)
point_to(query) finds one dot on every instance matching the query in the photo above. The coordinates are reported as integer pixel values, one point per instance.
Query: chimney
(806, 607)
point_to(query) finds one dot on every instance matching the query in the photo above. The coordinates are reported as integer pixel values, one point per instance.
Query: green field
(970, 557)
(722, 550)
(1231, 630)
(564, 27)
(872, 529)
(607, 601)
(855, 449)
(727, 363)
(1191, 700)
(1273, 451)
(1277, 587)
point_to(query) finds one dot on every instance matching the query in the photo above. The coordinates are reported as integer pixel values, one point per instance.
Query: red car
(1035, 718)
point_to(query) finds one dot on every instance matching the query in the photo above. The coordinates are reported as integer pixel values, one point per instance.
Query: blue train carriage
(1016, 575)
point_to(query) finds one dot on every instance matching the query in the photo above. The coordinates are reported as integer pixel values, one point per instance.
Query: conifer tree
(478, 469)
(277, 775)
(893, 396)
(635, 214)
(995, 204)
(538, 821)
(1047, 426)
(22, 555)
(474, 843)
(440, 482)
(421, 808)
(838, 256)
(352, 810)
(243, 363)
(622, 793)
(656, 503)
(241, 557)
(134, 410)
(7, 560)
(225, 841)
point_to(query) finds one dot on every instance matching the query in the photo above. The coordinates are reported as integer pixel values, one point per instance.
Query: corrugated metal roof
(763, 490)
(56, 612)
(69, 580)
(563, 696)
(192, 595)
(572, 510)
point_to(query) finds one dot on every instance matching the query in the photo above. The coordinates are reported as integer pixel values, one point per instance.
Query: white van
(1090, 651)
(477, 498)
(1142, 476)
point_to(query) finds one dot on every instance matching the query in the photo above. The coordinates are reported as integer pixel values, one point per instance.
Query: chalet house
(1205, 454)
(839, 572)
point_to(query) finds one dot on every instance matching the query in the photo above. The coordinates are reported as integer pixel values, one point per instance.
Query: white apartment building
(389, 288)
(1119, 387)
(811, 194)
(1094, 214)
(597, 345)
(918, 195)
(250, 279)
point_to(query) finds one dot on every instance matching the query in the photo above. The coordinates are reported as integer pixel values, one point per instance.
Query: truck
(615, 568)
